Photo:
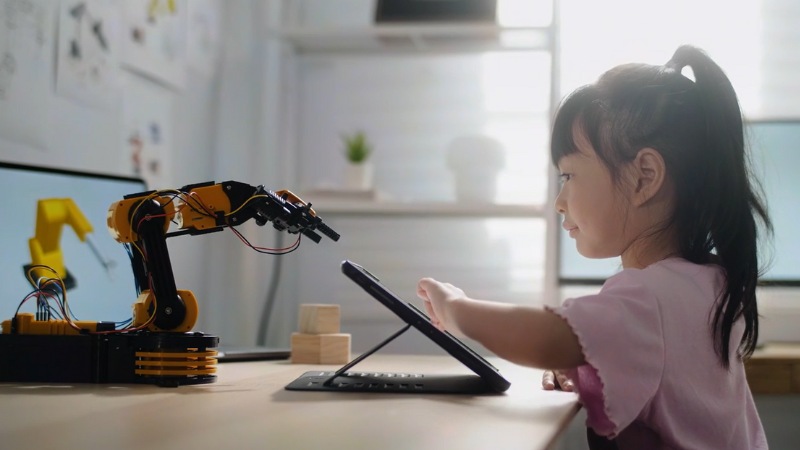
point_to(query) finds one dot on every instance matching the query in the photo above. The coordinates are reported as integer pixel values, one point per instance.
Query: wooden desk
(248, 408)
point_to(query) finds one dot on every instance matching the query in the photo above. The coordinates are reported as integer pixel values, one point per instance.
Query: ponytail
(726, 223)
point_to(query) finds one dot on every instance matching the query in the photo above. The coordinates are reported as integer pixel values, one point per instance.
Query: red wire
(266, 249)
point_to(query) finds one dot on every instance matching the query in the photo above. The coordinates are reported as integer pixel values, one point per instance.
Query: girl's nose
(560, 205)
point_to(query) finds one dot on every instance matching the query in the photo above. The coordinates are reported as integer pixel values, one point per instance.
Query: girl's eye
(564, 177)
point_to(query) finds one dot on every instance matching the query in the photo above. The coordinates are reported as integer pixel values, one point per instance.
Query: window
(755, 42)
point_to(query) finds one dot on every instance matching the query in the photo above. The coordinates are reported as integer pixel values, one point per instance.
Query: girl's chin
(590, 253)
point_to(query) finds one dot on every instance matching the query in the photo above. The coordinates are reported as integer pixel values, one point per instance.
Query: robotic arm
(143, 222)
(232, 203)
(157, 346)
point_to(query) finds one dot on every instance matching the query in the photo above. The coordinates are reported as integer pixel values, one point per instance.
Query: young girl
(654, 171)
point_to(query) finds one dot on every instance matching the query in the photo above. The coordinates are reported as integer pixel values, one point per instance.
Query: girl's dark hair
(697, 127)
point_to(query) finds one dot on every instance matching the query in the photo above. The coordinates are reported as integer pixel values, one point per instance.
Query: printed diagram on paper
(154, 39)
(88, 65)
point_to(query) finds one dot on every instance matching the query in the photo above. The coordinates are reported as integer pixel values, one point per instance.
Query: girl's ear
(648, 173)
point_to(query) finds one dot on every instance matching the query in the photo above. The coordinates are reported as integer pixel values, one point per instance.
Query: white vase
(476, 161)
(358, 176)
(476, 185)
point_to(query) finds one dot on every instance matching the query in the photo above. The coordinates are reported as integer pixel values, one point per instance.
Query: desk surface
(248, 408)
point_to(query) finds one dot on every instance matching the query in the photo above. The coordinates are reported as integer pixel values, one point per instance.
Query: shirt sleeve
(621, 335)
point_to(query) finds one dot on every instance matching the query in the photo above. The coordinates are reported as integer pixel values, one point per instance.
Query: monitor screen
(775, 147)
(104, 287)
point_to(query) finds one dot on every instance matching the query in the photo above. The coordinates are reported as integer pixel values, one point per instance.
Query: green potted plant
(358, 172)
(357, 148)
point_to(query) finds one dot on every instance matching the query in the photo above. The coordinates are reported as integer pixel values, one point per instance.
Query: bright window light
(596, 36)
(515, 87)
(524, 13)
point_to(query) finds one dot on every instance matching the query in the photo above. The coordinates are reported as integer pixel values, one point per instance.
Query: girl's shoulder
(668, 276)
(670, 268)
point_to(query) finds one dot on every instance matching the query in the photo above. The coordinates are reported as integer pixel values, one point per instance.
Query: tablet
(486, 377)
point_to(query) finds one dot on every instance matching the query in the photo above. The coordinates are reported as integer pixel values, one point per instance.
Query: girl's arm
(521, 334)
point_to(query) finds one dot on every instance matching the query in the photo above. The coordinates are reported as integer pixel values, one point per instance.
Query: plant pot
(358, 176)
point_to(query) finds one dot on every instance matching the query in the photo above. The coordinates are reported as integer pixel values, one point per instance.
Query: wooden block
(319, 319)
(331, 348)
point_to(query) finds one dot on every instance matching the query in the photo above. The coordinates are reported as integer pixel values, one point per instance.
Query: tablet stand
(352, 363)
(344, 381)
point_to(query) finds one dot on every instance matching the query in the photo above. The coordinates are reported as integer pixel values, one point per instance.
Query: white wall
(249, 147)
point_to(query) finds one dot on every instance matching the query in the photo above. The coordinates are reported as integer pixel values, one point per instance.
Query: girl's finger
(548, 380)
(564, 382)
(429, 309)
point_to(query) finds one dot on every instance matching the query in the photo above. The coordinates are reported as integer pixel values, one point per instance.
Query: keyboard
(357, 381)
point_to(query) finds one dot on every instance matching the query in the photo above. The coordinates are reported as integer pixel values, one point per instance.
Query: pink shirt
(652, 379)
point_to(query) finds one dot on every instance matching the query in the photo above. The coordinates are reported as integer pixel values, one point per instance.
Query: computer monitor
(104, 287)
(775, 154)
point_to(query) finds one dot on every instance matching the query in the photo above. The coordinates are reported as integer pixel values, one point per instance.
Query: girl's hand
(438, 297)
(525, 335)
(553, 379)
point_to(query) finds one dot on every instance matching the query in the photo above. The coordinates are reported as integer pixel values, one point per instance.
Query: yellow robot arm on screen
(51, 216)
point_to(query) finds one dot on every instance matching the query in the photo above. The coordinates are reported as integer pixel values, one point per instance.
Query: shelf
(416, 38)
(427, 209)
